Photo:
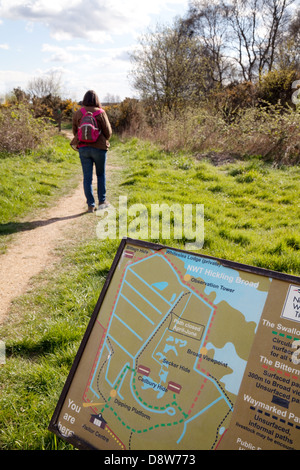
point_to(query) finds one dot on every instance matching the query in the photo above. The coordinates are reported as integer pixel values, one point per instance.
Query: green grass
(42, 346)
(251, 210)
(251, 216)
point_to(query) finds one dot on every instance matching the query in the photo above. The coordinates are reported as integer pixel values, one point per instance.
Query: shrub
(126, 116)
(276, 86)
(20, 131)
(273, 88)
(234, 97)
(193, 130)
(270, 132)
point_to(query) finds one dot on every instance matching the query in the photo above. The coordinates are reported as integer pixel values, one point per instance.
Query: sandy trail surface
(33, 248)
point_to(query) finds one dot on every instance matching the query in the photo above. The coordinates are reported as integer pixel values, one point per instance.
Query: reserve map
(167, 354)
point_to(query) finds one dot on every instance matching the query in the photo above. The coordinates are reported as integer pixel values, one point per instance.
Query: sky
(86, 42)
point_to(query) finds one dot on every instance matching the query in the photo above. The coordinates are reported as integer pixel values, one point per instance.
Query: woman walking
(92, 131)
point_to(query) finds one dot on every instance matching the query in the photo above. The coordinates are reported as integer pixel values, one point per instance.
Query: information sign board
(186, 351)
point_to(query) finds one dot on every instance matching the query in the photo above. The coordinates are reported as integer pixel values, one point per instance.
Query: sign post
(186, 351)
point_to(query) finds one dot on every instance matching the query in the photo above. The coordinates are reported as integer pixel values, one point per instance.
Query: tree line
(239, 50)
(43, 97)
(225, 68)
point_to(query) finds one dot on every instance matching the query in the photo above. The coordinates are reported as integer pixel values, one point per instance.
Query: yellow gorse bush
(20, 131)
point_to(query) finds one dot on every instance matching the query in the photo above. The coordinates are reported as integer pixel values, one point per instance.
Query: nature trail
(33, 248)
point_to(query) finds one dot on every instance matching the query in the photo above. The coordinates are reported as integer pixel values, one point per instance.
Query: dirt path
(33, 249)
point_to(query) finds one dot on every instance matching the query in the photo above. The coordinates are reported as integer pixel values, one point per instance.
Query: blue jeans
(89, 156)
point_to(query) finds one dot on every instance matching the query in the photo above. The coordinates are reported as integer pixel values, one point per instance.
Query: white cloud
(10, 79)
(92, 56)
(99, 33)
(59, 54)
(94, 20)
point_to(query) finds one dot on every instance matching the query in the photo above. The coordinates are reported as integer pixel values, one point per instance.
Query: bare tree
(49, 85)
(289, 48)
(110, 98)
(209, 22)
(170, 68)
(257, 26)
(242, 32)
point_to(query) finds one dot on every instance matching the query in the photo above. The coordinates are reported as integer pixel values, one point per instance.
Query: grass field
(251, 210)
(251, 215)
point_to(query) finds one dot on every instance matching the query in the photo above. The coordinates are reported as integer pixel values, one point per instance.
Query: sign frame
(78, 442)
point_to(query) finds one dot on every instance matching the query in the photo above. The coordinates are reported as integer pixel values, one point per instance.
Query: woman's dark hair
(91, 99)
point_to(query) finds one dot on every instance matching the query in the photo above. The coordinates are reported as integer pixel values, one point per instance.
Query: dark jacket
(103, 124)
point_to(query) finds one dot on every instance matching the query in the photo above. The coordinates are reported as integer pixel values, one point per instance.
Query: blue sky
(86, 41)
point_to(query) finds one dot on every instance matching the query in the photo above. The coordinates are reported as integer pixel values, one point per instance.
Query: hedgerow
(21, 131)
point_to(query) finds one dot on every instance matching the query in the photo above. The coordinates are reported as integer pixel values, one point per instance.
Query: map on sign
(164, 358)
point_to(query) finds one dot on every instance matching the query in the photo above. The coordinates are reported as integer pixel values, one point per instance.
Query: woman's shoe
(103, 205)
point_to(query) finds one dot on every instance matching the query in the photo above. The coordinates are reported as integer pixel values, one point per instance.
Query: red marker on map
(144, 370)
(173, 387)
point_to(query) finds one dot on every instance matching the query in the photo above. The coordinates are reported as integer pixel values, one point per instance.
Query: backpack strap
(96, 113)
(99, 111)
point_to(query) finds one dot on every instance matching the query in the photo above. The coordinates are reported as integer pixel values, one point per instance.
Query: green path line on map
(282, 335)
(144, 403)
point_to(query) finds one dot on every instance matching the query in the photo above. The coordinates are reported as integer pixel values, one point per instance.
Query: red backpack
(88, 130)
